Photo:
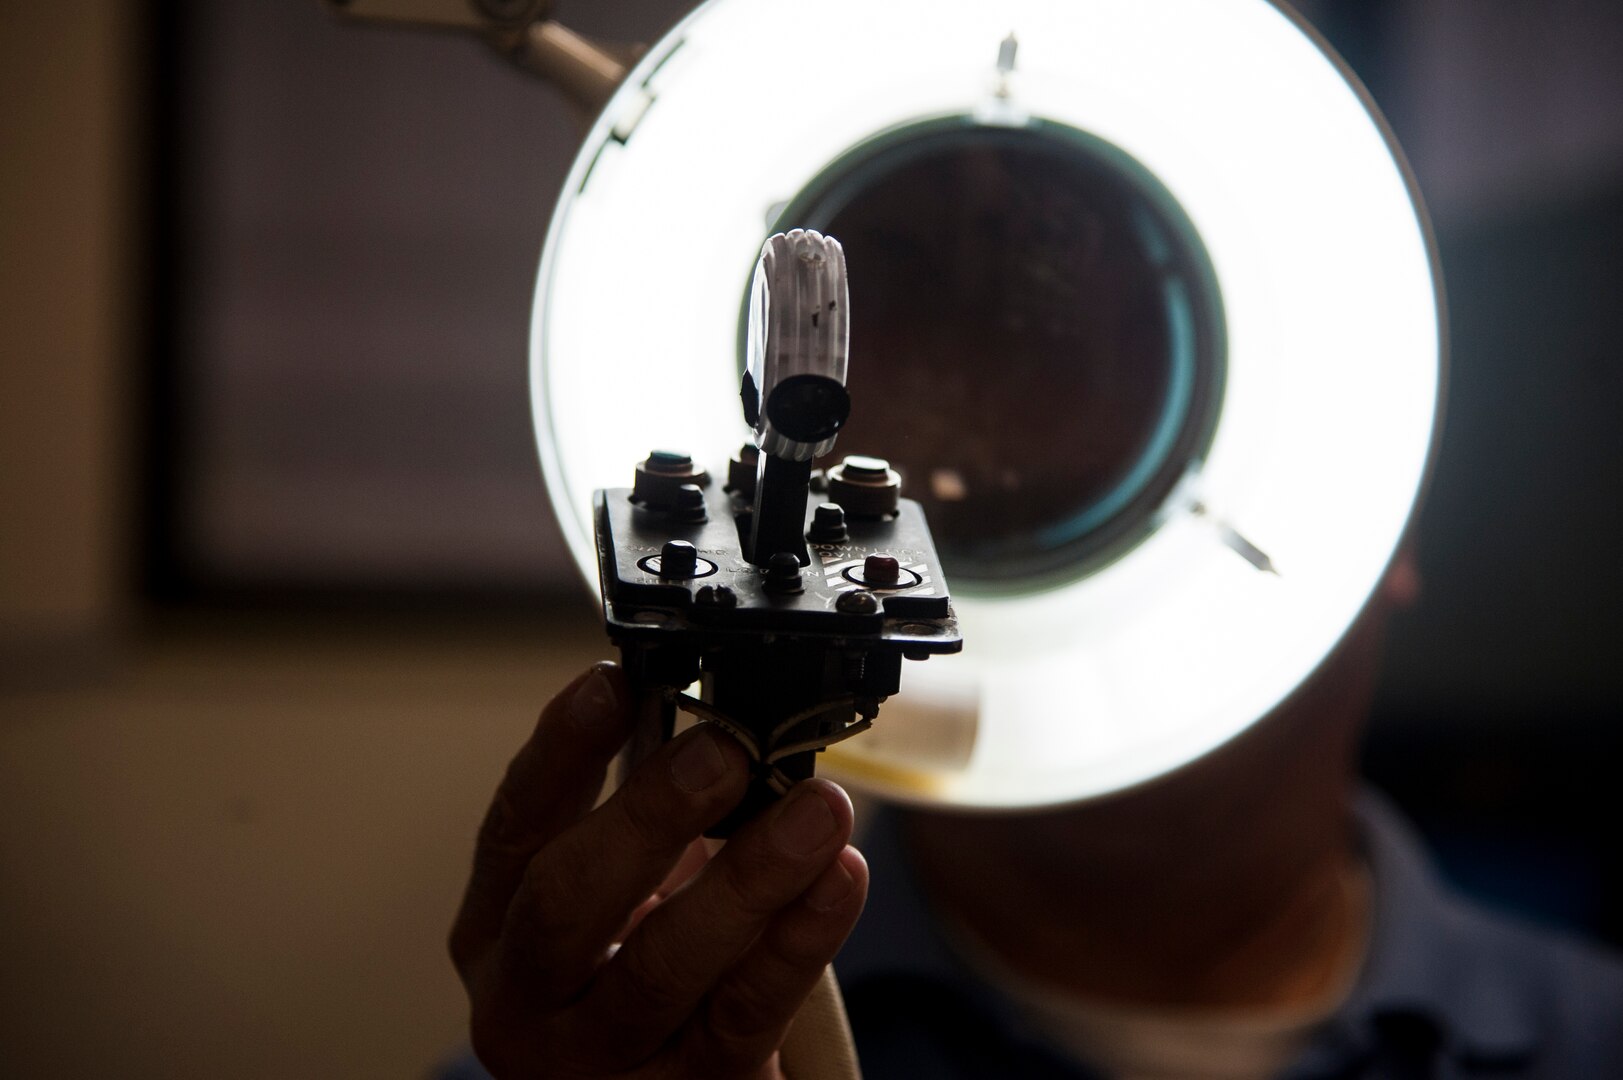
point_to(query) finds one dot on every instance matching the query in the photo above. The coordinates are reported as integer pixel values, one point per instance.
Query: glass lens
(1035, 339)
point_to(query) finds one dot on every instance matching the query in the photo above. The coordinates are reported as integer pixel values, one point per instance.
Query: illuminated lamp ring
(1331, 305)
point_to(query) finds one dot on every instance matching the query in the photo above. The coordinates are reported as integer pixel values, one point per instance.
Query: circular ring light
(1285, 506)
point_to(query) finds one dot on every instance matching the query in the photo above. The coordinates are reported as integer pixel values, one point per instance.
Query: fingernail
(804, 825)
(832, 888)
(594, 703)
(698, 764)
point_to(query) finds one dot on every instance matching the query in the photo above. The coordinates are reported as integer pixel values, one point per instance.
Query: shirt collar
(1425, 963)
(1429, 959)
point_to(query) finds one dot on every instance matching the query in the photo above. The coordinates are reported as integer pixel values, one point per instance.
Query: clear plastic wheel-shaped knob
(799, 335)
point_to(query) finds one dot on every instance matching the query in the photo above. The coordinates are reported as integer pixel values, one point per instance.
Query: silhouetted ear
(1400, 589)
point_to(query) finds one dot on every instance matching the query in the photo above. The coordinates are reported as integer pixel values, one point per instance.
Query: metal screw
(741, 471)
(880, 569)
(659, 477)
(782, 573)
(690, 503)
(678, 559)
(857, 602)
(828, 524)
(716, 596)
(669, 461)
(867, 487)
(860, 467)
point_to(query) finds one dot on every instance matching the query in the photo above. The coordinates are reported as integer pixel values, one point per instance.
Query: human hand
(716, 955)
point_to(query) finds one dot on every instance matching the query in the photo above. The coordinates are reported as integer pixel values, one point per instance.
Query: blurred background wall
(70, 189)
(279, 590)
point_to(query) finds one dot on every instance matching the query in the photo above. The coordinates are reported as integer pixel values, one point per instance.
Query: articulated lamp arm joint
(587, 71)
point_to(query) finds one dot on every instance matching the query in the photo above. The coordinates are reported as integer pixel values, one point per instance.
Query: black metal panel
(639, 604)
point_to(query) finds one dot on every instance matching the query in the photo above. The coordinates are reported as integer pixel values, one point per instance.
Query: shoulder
(1495, 988)
(1569, 991)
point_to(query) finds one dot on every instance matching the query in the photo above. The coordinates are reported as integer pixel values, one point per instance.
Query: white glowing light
(1321, 259)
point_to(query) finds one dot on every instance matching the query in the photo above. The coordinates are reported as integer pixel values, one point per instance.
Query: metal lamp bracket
(585, 70)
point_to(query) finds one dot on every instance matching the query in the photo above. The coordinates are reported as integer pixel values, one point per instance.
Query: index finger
(551, 782)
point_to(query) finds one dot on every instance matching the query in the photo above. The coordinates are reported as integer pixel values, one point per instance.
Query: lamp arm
(585, 70)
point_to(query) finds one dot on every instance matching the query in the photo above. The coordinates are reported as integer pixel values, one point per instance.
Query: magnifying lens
(1144, 311)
